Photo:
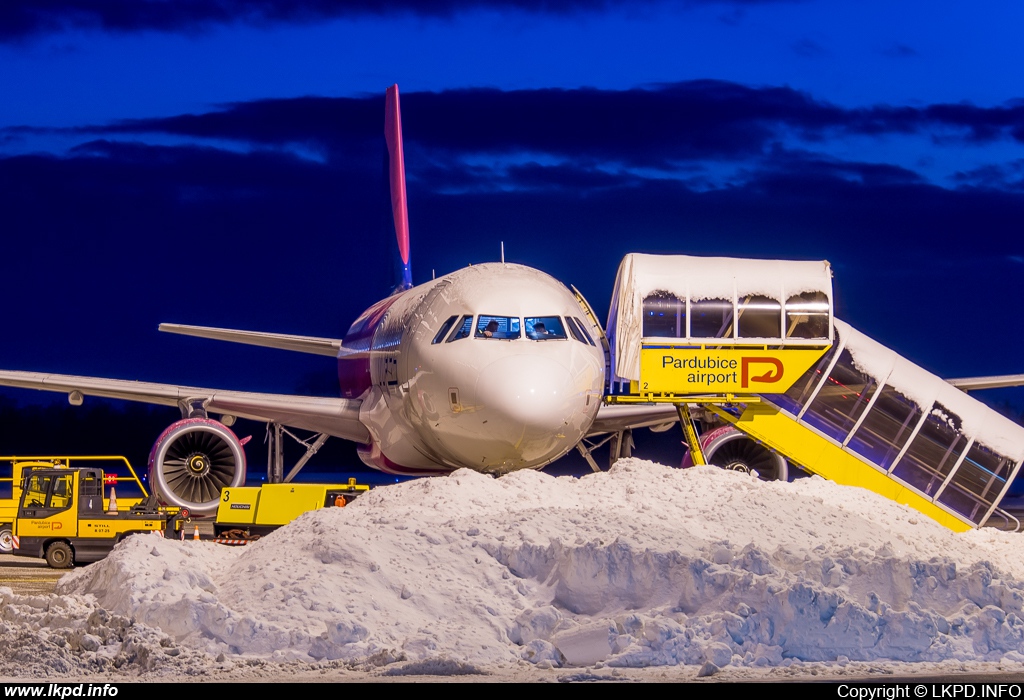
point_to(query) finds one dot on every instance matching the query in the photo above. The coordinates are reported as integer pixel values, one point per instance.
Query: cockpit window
(497, 327)
(574, 329)
(578, 330)
(586, 333)
(465, 326)
(445, 327)
(545, 328)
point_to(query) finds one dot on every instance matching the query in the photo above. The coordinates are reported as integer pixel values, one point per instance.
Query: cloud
(808, 48)
(898, 50)
(337, 124)
(994, 176)
(803, 164)
(112, 191)
(651, 127)
(663, 127)
(24, 18)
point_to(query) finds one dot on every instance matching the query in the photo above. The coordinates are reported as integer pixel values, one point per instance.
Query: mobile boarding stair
(754, 344)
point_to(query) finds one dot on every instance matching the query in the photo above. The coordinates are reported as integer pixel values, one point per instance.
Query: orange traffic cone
(112, 506)
(195, 534)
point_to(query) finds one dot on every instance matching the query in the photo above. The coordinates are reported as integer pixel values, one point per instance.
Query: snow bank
(54, 637)
(641, 566)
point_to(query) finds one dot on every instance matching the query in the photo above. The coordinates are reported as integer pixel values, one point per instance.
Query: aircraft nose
(528, 394)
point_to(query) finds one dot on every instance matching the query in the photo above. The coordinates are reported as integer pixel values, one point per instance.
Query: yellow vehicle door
(48, 506)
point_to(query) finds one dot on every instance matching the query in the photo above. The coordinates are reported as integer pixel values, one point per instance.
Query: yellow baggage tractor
(64, 518)
(116, 470)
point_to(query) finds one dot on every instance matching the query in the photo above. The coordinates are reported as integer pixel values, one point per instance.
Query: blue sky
(103, 66)
(848, 53)
(205, 162)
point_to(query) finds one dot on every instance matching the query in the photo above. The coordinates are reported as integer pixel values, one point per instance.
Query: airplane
(494, 367)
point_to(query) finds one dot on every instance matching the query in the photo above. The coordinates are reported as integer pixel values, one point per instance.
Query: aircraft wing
(612, 418)
(335, 416)
(972, 383)
(282, 341)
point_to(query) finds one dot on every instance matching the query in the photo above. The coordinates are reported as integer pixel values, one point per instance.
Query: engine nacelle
(729, 448)
(192, 461)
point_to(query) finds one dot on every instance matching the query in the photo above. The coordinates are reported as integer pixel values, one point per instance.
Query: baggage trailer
(248, 512)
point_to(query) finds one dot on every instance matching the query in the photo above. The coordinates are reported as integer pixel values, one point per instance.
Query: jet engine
(729, 448)
(192, 461)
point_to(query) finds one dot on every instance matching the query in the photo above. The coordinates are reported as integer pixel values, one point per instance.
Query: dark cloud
(342, 126)
(660, 126)
(995, 176)
(651, 127)
(22, 18)
(945, 122)
(898, 50)
(808, 48)
(803, 165)
(570, 178)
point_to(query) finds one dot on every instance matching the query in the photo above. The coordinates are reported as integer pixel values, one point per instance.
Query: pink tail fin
(396, 160)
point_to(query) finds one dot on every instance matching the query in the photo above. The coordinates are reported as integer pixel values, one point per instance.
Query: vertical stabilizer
(396, 166)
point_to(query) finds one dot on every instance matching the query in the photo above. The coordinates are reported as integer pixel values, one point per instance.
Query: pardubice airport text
(703, 363)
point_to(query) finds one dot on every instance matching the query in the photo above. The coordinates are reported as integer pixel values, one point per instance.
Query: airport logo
(772, 376)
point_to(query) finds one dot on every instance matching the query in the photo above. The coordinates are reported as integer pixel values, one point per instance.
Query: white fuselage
(440, 400)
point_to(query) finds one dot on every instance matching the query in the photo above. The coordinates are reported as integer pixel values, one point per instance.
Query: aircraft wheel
(60, 556)
(6, 539)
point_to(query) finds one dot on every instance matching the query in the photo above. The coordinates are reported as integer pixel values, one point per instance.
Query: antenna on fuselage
(503, 252)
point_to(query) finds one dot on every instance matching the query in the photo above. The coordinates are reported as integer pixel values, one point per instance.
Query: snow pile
(59, 636)
(641, 566)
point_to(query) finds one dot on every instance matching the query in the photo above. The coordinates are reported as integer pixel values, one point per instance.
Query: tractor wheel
(60, 556)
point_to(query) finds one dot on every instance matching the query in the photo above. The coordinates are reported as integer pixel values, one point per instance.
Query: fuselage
(494, 367)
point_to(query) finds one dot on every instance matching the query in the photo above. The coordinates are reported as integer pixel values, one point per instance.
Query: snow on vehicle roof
(717, 278)
(987, 426)
(698, 278)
